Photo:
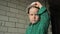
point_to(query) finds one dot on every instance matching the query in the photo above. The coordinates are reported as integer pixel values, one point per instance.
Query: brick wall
(13, 17)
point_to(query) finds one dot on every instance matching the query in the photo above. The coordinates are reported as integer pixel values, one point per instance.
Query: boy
(39, 19)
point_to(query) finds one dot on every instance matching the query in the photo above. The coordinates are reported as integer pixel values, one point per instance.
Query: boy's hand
(37, 4)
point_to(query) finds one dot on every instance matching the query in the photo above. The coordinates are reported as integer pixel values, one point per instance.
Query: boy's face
(33, 15)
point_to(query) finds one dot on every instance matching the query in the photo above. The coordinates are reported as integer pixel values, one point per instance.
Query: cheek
(37, 17)
(30, 17)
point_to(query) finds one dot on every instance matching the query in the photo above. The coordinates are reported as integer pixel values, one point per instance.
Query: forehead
(33, 10)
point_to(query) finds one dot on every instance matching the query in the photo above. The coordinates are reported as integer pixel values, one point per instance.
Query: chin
(33, 22)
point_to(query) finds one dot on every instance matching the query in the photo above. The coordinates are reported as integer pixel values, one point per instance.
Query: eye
(31, 14)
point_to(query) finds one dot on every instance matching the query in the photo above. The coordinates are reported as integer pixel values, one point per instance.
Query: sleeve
(44, 20)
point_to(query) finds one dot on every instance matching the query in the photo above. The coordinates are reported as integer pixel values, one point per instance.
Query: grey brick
(0, 0)
(12, 5)
(21, 30)
(13, 1)
(26, 25)
(10, 24)
(17, 2)
(7, 33)
(0, 23)
(2, 12)
(3, 23)
(19, 25)
(12, 30)
(13, 19)
(22, 21)
(17, 16)
(21, 3)
(3, 3)
(14, 10)
(12, 33)
(8, 0)
(3, 29)
(11, 14)
(4, 8)
(21, 7)
(4, 18)
(22, 12)
(22, 17)
(1, 32)
(28, 3)
(27, 21)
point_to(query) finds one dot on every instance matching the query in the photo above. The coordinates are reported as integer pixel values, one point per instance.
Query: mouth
(33, 20)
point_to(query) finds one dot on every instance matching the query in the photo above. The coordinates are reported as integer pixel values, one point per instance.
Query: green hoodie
(41, 27)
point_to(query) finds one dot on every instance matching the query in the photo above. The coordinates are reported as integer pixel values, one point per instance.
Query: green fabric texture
(41, 27)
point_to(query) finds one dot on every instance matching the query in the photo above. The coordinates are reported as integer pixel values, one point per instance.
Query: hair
(29, 7)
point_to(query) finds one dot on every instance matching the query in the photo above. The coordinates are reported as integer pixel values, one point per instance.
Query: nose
(34, 16)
